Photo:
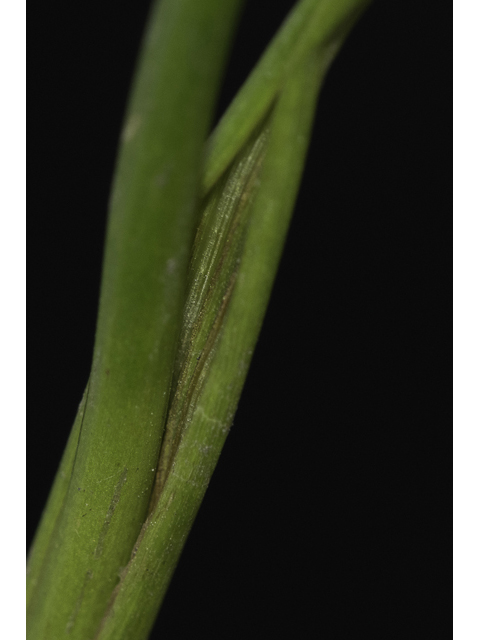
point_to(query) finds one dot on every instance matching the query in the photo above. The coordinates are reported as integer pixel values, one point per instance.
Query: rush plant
(195, 232)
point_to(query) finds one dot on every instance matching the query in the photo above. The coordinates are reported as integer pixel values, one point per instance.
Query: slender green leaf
(310, 23)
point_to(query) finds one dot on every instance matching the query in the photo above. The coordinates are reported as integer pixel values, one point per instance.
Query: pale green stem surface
(54, 506)
(215, 257)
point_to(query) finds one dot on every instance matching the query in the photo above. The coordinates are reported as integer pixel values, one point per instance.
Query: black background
(327, 513)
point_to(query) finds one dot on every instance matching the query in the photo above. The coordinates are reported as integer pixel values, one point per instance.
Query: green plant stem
(151, 225)
(173, 345)
(144, 582)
